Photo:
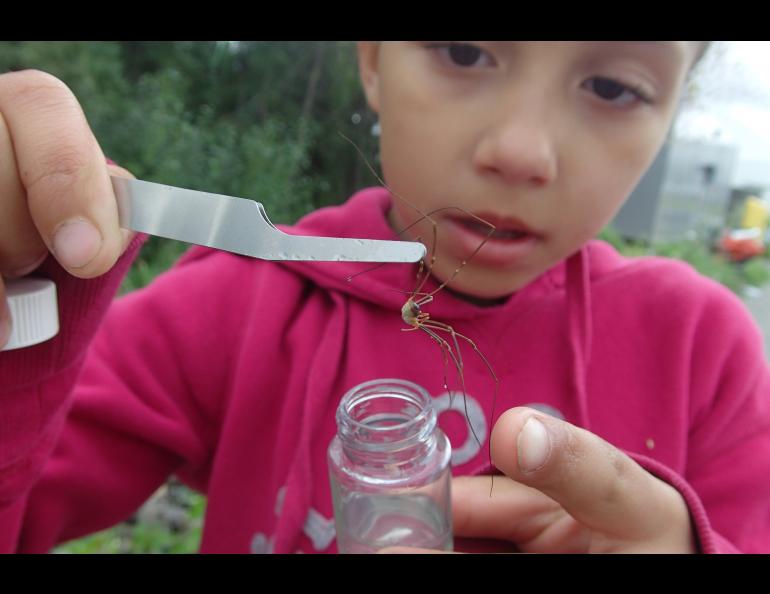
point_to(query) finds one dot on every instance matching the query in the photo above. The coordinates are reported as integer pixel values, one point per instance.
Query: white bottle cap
(34, 311)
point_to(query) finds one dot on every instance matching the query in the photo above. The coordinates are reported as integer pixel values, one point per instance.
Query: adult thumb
(595, 482)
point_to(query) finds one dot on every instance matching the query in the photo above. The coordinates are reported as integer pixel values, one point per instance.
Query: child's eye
(615, 92)
(463, 55)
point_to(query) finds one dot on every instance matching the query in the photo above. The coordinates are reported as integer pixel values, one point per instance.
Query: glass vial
(389, 470)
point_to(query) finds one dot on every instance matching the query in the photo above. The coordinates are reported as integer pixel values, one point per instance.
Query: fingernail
(76, 242)
(534, 445)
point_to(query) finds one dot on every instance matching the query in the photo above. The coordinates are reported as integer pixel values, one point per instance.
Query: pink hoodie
(227, 372)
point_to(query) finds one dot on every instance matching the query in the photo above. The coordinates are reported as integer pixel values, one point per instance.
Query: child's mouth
(491, 240)
(488, 231)
(497, 228)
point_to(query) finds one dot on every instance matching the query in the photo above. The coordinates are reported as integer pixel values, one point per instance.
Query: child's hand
(568, 491)
(55, 191)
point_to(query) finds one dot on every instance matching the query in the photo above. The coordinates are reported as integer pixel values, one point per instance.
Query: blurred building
(685, 193)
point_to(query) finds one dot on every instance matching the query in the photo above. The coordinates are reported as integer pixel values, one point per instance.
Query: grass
(170, 522)
(737, 277)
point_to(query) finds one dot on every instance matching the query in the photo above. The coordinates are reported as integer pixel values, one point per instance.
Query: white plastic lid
(34, 311)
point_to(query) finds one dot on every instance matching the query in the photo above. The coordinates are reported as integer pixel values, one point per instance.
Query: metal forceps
(240, 226)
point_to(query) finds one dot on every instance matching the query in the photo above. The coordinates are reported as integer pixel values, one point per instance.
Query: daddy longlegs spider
(413, 315)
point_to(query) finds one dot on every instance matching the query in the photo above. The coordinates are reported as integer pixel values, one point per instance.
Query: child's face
(545, 138)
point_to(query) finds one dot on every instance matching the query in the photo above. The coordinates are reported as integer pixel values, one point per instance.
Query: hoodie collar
(364, 216)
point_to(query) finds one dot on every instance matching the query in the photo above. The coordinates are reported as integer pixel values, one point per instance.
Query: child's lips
(496, 228)
(507, 244)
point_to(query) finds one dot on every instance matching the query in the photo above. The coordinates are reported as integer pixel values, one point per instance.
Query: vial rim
(426, 411)
(424, 423)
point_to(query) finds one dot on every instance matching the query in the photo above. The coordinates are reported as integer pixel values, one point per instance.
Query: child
(636, 392)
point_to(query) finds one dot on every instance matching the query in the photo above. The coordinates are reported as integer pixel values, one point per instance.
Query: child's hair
(704, 47)
(691, 86)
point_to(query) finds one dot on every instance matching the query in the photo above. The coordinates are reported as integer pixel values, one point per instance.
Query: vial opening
(385, 413)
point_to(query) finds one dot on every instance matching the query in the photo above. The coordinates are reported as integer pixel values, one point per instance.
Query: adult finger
(507, 510)
(512, 518)
(63, 172)
(412, 551)
(5, 317)
(125, 234)
(596, 483)
(21, 248)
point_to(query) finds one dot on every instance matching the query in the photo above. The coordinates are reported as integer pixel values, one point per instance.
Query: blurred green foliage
(708, 262)
(172, 523)
(255, 119)
(756, 272)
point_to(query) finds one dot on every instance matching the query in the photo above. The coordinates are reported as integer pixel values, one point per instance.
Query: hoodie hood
(364, 216)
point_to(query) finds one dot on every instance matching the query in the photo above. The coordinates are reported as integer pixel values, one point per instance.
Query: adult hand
(565, 490)
(55, 191)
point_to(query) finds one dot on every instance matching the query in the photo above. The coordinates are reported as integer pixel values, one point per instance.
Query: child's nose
(518, 148)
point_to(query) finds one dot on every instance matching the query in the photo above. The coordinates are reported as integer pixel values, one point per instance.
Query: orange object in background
(742, 244)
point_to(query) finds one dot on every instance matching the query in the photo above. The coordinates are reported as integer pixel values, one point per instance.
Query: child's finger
(596, 483)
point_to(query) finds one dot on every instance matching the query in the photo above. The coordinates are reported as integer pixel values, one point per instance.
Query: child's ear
(368, 63)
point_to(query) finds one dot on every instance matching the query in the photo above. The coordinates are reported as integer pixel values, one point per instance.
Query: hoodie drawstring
(321, 379)
(580, 326)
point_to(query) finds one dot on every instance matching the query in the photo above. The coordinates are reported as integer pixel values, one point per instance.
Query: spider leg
(448, 328)
(445, 350)
(462, 264)
(458, 365)
(434, 228)
(420, 282)
(423, 216)
(432, 262)
(427, 298)
(441, 326)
